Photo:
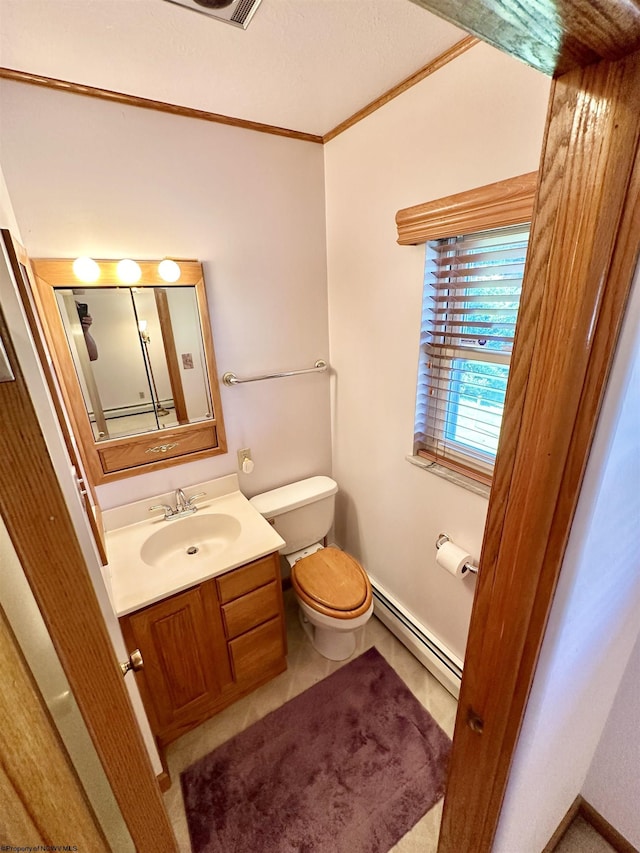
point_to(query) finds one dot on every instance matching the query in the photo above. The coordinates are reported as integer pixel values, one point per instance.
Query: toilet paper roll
(452, 558)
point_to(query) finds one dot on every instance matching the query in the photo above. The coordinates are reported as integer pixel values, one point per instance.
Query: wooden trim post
(582, 257)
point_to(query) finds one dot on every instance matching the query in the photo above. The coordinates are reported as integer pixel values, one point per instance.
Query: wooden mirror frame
(116, 458)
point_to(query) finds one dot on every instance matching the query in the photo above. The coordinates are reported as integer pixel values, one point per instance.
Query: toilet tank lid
(286, 498)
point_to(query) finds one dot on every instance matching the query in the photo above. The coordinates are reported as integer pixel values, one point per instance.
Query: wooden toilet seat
(333, 583)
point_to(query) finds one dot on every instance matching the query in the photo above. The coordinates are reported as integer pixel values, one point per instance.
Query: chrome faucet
(184, 505)
(182, 502)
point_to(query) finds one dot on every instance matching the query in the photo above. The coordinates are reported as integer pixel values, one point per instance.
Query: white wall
(612, 785)
(479, 119)
(7, 216)
(592, 629)
(90, 177)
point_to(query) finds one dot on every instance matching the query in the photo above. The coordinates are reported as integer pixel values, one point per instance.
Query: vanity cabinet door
(186, 668)
(208, 646)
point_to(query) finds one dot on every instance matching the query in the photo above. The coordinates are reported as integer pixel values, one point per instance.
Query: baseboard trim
(563, 826)
(601, 825)
(164, 781)
(608, 832)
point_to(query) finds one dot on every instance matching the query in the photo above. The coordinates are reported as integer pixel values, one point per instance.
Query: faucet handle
(191, 499)
(168, 510)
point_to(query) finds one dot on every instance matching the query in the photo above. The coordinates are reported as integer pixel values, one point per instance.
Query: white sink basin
(195, 537)
(150, 558)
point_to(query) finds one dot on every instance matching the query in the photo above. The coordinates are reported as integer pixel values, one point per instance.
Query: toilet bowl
(333, 591)
(334, 599)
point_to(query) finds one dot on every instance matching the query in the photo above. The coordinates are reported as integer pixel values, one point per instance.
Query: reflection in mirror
(138, 355)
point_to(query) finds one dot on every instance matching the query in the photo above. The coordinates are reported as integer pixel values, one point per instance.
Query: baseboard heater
(427, 648)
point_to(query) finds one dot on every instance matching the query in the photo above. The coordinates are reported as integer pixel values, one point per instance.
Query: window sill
(454, 477)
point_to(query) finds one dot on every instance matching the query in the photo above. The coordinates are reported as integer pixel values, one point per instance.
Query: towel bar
(231, 379)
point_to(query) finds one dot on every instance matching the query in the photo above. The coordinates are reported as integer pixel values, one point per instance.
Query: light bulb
(86, 269)
(169, 270)
(128, 271)
(142, 325)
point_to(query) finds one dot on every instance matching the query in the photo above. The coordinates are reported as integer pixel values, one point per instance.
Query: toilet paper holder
(468, 567)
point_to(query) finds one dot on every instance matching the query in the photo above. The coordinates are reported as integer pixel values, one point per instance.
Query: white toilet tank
(302, 512)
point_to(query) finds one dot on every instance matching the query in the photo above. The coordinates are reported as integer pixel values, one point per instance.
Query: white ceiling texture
(306, 65)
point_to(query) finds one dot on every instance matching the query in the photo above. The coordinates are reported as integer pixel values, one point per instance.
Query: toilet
(332, 589)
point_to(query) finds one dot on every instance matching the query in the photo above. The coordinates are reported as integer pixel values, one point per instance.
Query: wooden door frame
(553, 36)
(583, 253)
(24, 277)
(171, 355)
(37, 519)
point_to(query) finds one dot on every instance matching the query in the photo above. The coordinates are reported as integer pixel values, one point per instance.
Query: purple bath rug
(351, 765)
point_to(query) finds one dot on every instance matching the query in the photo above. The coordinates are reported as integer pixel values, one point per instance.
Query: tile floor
(306, 667)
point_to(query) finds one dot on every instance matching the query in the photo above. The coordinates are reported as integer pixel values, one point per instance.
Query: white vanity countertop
(245, 536)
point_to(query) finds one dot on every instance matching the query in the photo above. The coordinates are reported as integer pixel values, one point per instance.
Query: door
(184, 673)
(29, 711)
(39, 525)
(31, 767)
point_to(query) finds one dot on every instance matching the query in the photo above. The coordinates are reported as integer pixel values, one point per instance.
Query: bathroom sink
(195, 538)
(151, 558)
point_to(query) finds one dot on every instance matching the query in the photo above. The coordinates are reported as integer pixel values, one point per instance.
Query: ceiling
(306, 65)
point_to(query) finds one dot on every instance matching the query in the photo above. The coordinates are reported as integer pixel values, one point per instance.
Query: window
(471, 296)
(476, 245)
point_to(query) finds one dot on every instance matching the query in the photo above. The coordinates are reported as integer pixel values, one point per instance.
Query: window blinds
(471, 297)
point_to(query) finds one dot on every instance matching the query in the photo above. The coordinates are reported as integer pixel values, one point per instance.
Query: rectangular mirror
(138, 355)
(136, 362)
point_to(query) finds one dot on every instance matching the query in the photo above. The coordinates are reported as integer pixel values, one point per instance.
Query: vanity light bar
(168, 270)
(128, 271)
(87, 270)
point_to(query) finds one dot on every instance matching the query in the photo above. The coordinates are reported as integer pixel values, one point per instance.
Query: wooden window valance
(508, 202)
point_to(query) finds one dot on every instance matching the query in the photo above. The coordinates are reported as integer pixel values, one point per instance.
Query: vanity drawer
(250, 610)
(241, 581)
(257, 651)
(120, 455)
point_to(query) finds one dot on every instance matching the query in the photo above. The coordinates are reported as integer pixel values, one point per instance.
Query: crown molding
(150, 104)
(435, 65)
(218, 118)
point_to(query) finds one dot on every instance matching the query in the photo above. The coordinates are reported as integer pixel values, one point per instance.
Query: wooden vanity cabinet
(206, 647)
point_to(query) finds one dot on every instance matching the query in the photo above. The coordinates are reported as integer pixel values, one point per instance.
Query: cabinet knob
(135, 662)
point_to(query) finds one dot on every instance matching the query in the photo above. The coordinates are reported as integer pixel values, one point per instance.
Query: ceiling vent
(236, 12)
